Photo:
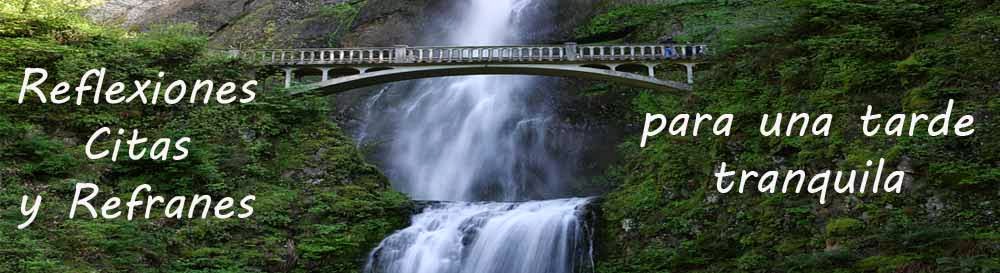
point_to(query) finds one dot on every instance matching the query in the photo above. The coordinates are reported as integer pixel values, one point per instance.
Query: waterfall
(369, 109)
(537, 236)
(474, 139)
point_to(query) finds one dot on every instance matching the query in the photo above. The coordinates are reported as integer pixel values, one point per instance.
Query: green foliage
(882, 264)
(812, 56)
(342, 15)
(319, 207)
(47, 8)
(620, 21)
(843, 227)
(724, 23)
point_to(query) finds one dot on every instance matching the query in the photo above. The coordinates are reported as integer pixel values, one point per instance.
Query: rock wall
(320, 23)
(126, 12)
(391, 22)
(208, 15)
(242, 23)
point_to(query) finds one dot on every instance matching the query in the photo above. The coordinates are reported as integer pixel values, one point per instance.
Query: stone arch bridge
(343, 69)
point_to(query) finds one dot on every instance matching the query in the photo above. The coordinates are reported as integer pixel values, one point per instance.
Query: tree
(47, 7)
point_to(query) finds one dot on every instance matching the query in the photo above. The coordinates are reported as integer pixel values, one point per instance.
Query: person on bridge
(668, 49)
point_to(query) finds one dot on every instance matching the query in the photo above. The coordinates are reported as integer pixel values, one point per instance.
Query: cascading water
(480, 138)
(530, 237)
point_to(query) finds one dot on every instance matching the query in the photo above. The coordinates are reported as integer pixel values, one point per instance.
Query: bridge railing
(373, 55)
(569, 52)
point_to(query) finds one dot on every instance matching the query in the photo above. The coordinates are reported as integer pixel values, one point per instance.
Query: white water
(538, 236)
(474, 139)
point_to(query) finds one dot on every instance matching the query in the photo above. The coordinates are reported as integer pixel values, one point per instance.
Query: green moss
(843, 227)
(343, 15)
(815, 57)
(304, 221)
(340, 10)
(884, 264)
(619, 21)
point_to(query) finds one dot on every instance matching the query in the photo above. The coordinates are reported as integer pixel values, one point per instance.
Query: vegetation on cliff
(817, 57)
(319, 206)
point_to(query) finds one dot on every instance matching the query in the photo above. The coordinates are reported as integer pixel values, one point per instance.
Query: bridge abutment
(400, 54)
(326, 73)
(571, 54)
(690, 72)
(289, 73)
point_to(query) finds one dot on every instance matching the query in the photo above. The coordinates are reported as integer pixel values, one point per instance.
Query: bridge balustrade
(476, 54)
(325, 56)
(559, 60)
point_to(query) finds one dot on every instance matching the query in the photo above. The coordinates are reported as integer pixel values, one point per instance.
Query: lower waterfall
(536, 236)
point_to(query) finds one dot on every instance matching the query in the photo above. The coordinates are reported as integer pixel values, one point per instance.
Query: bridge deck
(378, 65)
(406, 55)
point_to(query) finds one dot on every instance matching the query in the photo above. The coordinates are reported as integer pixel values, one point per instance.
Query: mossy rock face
(885, 264)
(284, 24)
(810, 57)
(843, 227)
(209, 16)
(319, 206)
(248, 24)
(393, 22)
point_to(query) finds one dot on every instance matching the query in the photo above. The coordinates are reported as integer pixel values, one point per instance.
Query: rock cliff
(321, 23)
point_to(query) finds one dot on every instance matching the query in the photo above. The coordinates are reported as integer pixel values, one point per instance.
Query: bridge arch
(342, 71)
(597, 66)
(636, 68)
(308, 74)
(403, 73)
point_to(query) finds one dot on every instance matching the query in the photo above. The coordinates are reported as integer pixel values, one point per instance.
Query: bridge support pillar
(652, 72)
(326, 73)
(400, 54)
(690, 72)
(288, 76)
(571, 51)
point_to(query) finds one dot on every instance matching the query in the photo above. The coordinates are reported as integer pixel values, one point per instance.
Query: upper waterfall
(473, 138)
